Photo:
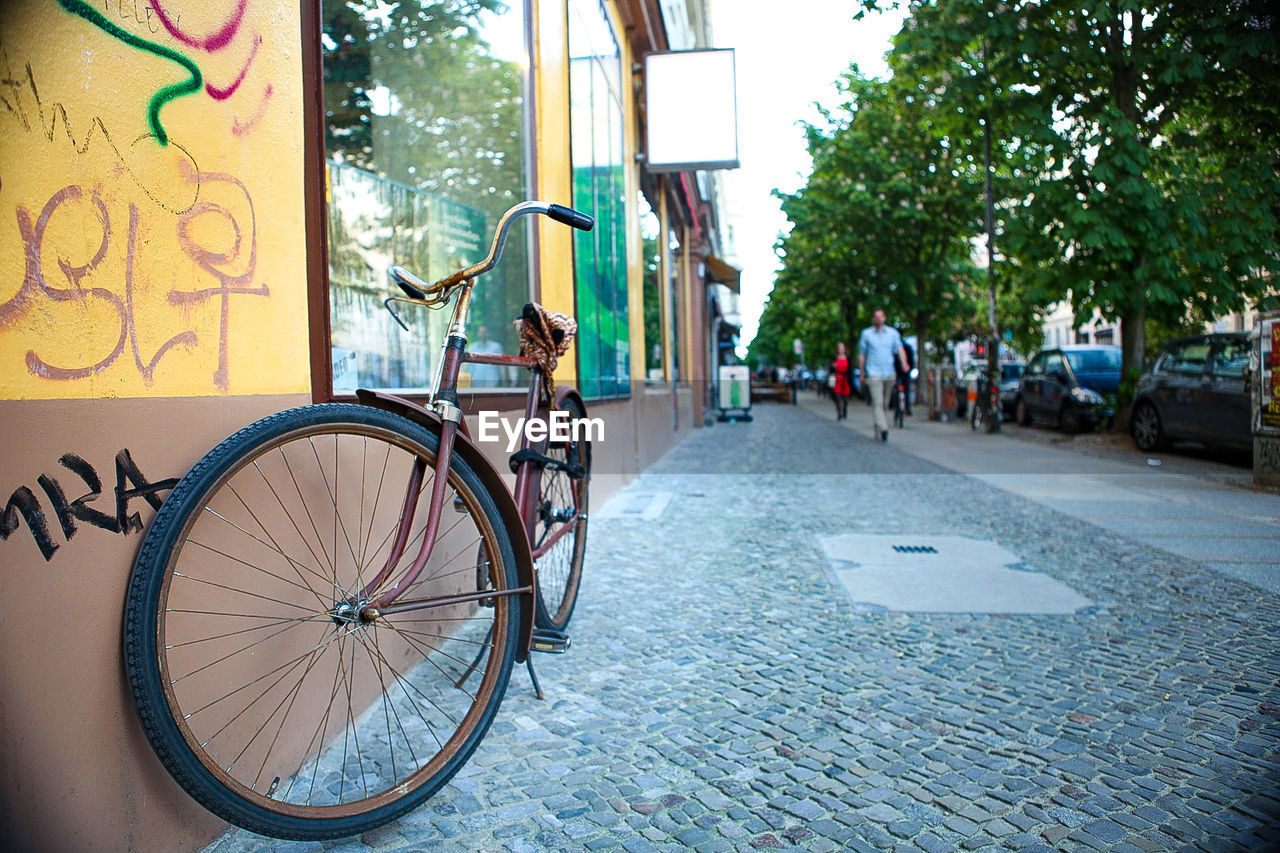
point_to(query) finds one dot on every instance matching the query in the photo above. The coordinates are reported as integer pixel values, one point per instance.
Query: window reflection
(599, 187)
(651, 263)
(425, 139)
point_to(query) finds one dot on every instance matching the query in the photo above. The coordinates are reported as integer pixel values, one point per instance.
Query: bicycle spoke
(376, 500)
(234, 633)
(259, 569)
(233, 654)
(337, 520)
(333, 563)
(289, 516)
(242, 592)
(289, 664)
(239, 615)
(294, 564)
(427, 656)
(408, 685)
(297, 689)
(246, 708)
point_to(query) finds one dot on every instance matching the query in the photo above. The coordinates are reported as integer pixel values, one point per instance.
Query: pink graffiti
(241, 128)
(215, 263)
(217, 41)
(222, 94)
(230, 283)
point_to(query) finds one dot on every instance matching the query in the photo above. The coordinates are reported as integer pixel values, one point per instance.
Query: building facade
(201, 203)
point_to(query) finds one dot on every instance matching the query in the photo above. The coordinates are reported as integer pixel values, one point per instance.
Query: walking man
(879, 347)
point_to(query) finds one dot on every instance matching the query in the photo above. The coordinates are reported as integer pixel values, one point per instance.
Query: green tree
(885, 220)
(1147, 190)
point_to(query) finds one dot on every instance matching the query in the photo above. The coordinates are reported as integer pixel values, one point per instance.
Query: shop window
(651, 262)
(425, 141)
(599, 187)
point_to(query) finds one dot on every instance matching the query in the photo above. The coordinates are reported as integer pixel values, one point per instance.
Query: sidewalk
(757, 666)
(1230, 529)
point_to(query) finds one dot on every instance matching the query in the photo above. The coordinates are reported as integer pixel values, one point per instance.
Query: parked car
(971, 379)
(1010, 382)
(1072, 387)
(1197, 390)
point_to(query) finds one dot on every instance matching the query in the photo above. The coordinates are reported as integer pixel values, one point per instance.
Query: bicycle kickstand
(544, 640)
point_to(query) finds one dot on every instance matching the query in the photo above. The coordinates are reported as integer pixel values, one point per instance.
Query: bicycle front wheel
(561, 511)
(265, 689)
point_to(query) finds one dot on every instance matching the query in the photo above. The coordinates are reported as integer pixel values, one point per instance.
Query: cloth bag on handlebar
(545, 336)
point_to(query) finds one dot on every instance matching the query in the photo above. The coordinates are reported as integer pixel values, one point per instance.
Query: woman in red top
(842, 370)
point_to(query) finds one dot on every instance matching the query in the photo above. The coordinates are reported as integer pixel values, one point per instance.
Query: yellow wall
(555, 168)
(151, 212)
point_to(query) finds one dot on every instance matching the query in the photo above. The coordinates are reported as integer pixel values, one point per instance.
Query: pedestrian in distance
(880, 351)
(904, 375)
(842, 388)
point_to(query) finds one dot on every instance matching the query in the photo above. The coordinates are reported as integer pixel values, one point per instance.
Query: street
(736, 683)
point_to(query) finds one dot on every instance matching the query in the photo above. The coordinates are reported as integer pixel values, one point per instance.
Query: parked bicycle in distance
(323, 616)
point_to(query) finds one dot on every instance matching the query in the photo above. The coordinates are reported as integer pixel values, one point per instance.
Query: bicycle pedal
(551, 642)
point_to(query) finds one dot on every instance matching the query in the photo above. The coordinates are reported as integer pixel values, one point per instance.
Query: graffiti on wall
(24, 507)
(137, 135)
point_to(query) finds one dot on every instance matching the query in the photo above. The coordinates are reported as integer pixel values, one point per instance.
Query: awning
(724, 273)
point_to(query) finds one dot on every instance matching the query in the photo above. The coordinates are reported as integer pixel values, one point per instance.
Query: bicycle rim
(562, 503)
(263, 692)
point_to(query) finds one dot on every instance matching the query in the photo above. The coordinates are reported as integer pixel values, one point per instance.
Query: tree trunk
(922, 364)
(1133, 343)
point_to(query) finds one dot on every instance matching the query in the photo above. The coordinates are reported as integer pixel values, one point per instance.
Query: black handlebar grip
(408, 282)
(569, 216)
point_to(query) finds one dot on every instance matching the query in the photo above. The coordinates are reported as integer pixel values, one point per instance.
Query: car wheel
(1146, 430)
(1021, 413)
(1069, 418)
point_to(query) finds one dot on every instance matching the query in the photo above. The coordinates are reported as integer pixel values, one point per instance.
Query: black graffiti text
(68, 513)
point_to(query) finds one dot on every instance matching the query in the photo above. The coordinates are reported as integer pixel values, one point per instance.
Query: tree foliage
(1135, 157)
(884, 221)
(1148, 191)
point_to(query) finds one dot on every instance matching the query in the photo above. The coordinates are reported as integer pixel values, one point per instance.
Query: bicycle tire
(560, 569)
(230, 547)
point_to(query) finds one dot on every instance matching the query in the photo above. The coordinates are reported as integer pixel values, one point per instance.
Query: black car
(1197, 390)
(1010, 382)
(1073, 387)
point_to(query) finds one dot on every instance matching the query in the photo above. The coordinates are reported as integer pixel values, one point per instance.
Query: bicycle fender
(498, 489)
(564, 392)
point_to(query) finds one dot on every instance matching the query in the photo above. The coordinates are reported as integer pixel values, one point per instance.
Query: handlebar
(416, 288)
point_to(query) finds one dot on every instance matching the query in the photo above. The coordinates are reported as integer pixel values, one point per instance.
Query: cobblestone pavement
(723, 694)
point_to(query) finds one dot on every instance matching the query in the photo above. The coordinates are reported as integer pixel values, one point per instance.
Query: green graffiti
(168, 93)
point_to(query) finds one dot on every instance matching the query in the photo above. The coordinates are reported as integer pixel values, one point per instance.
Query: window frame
(622, 382)
(316, 216)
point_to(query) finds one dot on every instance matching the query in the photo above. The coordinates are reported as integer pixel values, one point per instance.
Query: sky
(786, 60)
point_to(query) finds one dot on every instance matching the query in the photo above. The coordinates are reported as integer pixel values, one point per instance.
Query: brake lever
(386, 303)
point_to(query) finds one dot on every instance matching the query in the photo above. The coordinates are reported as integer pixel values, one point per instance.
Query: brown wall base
(76, 771)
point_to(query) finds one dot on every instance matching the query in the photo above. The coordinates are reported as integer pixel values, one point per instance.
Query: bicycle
(310, 654)
(984, 405)
(900, 403)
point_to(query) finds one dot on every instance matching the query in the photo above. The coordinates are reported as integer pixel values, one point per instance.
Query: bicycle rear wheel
(264, 691)
(561, 511)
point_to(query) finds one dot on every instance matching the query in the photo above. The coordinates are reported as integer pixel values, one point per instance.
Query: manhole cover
(641, 506)
(943, 574)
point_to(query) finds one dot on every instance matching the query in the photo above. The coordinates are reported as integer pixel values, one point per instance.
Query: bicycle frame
(372, 599)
